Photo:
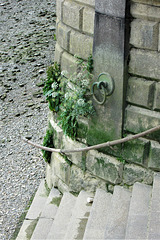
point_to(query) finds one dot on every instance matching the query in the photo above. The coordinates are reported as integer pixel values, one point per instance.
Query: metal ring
(101, 90)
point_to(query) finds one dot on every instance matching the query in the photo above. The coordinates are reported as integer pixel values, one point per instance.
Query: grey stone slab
(138, 213)
(117, 219)
(42, 228)
(154, 219)
(116, 8)
(59, 226)
(51, 205)
(109, 54)
(96, 224)
(78, 221)
(27, 229)
(38, 202)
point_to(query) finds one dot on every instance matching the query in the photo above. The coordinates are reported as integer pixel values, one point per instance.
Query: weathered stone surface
(59, 8)
(133, 173)
(136, 151)
(27, 229)
(138, 120)
(114, 8)
(159, 39)
(144, 34)
(78, 158)
(156, 105)
(57, 131)
(61, 167)
(88, 20)
(68, 63)
(63, 34)
(137, 86)
(88, 2)
(147, 12)
(154, 156)
(145, 63)
(72, 14)
(105, 167)
(149, 2)
(62, 186)
(58, 53)
(84, 180)
(137, 224)
(109, 56)
(81, 44)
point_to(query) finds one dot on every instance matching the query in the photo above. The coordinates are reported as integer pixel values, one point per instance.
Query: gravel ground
(26, 49)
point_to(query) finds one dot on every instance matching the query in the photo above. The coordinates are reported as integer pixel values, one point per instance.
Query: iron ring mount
(106, 85)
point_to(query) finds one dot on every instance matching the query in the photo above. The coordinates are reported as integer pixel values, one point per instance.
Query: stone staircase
(121, 215)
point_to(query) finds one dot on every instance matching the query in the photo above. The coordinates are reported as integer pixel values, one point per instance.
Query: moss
(56, 201)
(47, 189)
(48, 142)
(30, 229)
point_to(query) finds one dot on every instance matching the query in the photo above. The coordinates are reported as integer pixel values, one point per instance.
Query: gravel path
(26, 49)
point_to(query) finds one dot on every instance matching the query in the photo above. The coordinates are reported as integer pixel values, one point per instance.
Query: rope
(102, 145)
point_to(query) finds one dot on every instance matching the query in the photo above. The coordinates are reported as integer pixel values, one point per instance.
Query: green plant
(75, 102)
(51, 89)
(48, 142)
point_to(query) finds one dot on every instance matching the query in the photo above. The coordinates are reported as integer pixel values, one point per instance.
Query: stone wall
(135, 160)
(143, 93)
(90, 170)
(75, 27)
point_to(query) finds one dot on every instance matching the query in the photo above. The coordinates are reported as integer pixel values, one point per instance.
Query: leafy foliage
(52, 90)
(48, 142)
(75, 102)
(68, 97)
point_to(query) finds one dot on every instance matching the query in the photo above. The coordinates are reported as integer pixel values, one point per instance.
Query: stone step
(33, 214)
(96, 224)
(47, 216)
(78, 221)
(118, 214)
(61, 221)
(154, 218)
(138, 212)
(38, 203)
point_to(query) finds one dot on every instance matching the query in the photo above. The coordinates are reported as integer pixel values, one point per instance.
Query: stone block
(157, 97)
(88, 2)
(62, 186)
(88, 20)
(140, 92)
(144, 34)
(81, 44)
(147, 12)
(78, 158)
(154, 156)
(51, 177)
(159, 39)
(59, 8)
(136, 151)
(114, 8)
(58, 53)
(133, 173)
(57, 133)
(69, 63)
(145, 63)
(149, 2)
(61, 167)
(104, 167)
(63, 34)
(84, 180)
(138, 120)
(72, 14)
